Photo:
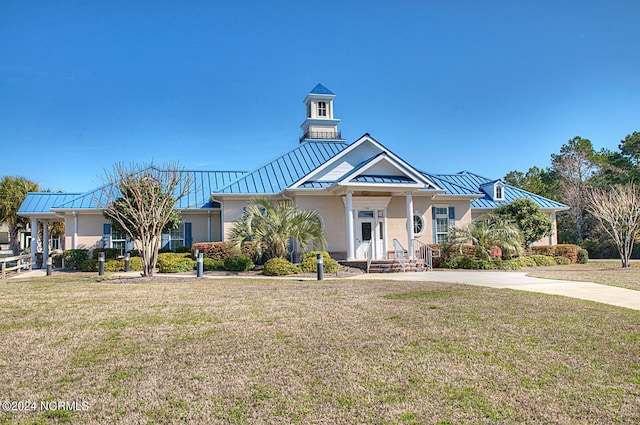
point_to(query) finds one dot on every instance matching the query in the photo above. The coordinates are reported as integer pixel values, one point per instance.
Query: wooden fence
(22, 262)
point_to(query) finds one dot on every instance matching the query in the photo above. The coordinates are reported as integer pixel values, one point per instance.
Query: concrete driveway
(519, 280)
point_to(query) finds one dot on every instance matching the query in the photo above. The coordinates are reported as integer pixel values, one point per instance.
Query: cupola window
(499, 192)
(322, 109)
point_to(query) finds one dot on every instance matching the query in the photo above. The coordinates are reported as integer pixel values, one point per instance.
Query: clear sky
(487, 86)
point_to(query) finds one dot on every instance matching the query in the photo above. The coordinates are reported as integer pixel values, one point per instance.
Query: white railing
(423, 253)
(21, 262)
(369, 255)
(399, 253)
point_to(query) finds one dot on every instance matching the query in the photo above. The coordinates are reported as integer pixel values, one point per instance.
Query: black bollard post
(127, 262)
(200, 263)
(49, 266)
(101, 264)
(196, 254)
(320, 266)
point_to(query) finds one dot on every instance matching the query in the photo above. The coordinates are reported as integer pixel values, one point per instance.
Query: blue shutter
(165, 240)
(452, 217)
(188, 239)
(106, 235)
(434, 225)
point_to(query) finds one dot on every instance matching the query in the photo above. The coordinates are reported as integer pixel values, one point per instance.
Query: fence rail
(21, 262)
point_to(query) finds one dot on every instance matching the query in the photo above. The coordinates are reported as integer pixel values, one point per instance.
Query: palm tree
(13, 190)
(274, 223)
(486, 232)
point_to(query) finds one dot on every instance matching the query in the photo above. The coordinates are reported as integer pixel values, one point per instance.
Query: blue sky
(488, 86)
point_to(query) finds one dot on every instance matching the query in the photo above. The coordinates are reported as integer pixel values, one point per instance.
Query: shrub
(209, 264)
(549, 250)
(135, 264)
(182, 249)
(543, 260)
(109, 253)
(510, 265)
(568, 251)
(176, 264)
(280, 267)
(214, 250)
(56, 259)
(583, 256)
(561, 261)
(309, 263)
(525, 262)
(89, 265)
(73, 258)
(238, 263)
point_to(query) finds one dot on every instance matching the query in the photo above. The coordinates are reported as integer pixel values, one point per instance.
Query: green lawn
(276, 352)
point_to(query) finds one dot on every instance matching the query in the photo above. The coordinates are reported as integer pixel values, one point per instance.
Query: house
(370, 200)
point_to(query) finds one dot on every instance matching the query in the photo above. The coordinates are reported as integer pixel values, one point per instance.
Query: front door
(369, 232)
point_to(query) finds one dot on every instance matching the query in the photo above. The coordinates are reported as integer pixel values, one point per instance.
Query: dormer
(494, 189)
(320, 123)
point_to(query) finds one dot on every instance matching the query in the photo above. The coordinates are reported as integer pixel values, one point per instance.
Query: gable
(365, 162)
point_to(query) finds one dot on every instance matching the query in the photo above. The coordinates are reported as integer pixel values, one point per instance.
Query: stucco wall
(199, 226)
(332, 211)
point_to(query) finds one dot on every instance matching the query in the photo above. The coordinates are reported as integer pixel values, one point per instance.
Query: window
(118, 240)
(308, 110)
(176, 237)
(322, 109)
(499, 192)
(418, 225)
(442, 223)
(365, 214)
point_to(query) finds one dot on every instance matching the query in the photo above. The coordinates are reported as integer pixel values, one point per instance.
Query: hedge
(238, 263)
(280, 267)
(470, 263)
(583, 256)
(73, 258)
(309, 263)
(109, 253)
(569, 251)
(222, 250)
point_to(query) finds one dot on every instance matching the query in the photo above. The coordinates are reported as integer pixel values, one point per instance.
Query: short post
(320, 266)
(127, 262)
(49, 266)
(101, 264)
(200, 263)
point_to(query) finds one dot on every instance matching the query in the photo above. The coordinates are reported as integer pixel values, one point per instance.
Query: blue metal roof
(42, 202)
(450, 187)
(199, 196)
(282, 172)
(320, 89)
(472, 182)
(383, 179)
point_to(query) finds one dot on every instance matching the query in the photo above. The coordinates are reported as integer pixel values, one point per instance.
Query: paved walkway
(494, 279)
(519, 280)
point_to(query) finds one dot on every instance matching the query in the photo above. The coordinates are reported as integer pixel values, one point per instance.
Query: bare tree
(618, 211)
(140, 200)
(575, 166)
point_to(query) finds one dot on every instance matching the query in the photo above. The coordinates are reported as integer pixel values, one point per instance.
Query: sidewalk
(520, 281)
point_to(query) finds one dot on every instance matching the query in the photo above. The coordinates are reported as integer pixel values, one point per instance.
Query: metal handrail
(369, 255)
(423, 252)
(399, 253)
(327, 135)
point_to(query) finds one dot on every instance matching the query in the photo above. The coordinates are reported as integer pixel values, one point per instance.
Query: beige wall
(90, 228)
(332, 211)
(199, 225)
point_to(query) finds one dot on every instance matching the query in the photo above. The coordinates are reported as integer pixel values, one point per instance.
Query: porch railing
(21, 262)
(423, 252)
(369, 255)
(399, 253)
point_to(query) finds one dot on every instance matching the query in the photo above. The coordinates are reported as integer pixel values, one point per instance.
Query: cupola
(320, 123)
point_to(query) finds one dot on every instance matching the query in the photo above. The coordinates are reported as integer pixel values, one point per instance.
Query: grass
(603, 272)
(247, 351)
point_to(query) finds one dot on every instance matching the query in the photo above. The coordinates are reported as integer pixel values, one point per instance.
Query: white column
(34, 239)
(410, 225)
(350, 233)
(74, 239)
(45, 243)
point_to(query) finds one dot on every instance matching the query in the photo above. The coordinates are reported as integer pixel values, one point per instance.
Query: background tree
(13, 190)
(630, 147)
(274, 223)
(536, 180)
(576, 164)
(140, 200)
(618, 212)
(486, 232)
(526, 214)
